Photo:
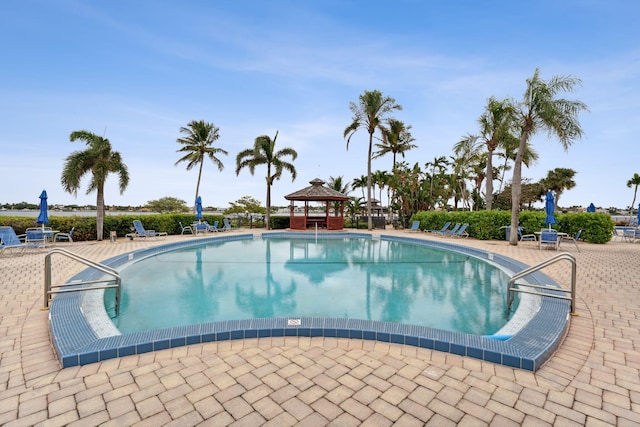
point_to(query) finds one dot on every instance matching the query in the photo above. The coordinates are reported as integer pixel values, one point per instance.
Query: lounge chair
(415, 226)
(569, 238)
(64, 236)
(450, 232)
(213, 228)
(549, 238)
(442, 230)
(185, 228)
(227, 226)
(200, 227)
(141, 232)
(9, 241)
(525, 237)
(38, 237)
(461, 232)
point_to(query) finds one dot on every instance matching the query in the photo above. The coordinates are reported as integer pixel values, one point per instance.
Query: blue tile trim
(76, 343)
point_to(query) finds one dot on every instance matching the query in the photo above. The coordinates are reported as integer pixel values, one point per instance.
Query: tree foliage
(541, 108)
(264, 153)
(245, 204)
(167, 204)
(99, 160)
(369, 114)
(198, 145)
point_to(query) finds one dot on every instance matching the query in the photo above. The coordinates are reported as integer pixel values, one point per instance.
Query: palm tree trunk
(369, 219)
(198, 186)
(268, 217)
(489, 185)
(100, 213)
(516, 189)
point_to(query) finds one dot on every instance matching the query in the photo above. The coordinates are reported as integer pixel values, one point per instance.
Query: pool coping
(76, 343)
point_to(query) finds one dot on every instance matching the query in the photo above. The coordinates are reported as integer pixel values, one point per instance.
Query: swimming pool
(341, 277)
(77, 342)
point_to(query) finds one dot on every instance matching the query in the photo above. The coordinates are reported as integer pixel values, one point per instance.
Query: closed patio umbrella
(638, 214)
(549, 207)
(591, 208)
(199, 208)
(43, 217)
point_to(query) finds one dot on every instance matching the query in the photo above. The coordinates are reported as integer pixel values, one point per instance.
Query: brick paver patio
(592, 380)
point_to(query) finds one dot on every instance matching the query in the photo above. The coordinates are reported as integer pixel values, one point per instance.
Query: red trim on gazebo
(317, 193)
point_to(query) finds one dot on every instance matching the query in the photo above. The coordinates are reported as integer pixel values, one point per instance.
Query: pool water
(303, 277)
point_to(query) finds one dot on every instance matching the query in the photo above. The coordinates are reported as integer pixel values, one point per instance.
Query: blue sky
(138, 71)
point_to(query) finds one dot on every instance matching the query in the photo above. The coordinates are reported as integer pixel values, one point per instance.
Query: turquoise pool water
(345, 277)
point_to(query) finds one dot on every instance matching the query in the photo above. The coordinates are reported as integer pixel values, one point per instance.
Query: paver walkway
(592, 380)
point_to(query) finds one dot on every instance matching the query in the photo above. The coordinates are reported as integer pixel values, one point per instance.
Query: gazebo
(331, 219)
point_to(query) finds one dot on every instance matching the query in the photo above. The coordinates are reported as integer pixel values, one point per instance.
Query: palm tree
(369, 113)
(338, 185)
(558, 180)
(398, 141)
(197, 145)
(440, 163)
(496, 124)
(635, 181)
(100, 160)
(359, 183)
(542, 110)
(263, 153)
(354, 207)
(469, 154)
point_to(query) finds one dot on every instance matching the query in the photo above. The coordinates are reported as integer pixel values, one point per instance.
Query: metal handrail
(562, 256)
(48, 288)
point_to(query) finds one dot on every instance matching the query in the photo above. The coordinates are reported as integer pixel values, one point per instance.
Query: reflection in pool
(339, 277)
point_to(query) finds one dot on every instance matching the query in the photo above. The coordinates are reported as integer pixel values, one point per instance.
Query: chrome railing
(85, 285)
(511, 290)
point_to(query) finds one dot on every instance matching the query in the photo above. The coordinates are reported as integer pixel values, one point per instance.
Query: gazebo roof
(317, 192)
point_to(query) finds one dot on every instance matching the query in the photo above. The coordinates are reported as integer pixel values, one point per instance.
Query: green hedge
(85, 226)
(487, 225)
(483, 225)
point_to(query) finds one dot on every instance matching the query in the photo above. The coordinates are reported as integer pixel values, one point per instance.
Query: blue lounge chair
(450, 232)
(227, 226)
(213, 228)
(415, 226)
(185, 228)
(525, 237)
(442, 230)
(9, 241)
(141, 232)
(461, 232)
(64, 236)
(548, 238)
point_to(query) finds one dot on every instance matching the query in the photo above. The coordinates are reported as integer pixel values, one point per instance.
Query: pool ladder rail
(85, 285)
(548, 291)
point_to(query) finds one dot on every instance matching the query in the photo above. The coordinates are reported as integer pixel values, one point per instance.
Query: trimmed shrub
(486, 225)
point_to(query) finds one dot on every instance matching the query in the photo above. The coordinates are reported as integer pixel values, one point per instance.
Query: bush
(486, 225)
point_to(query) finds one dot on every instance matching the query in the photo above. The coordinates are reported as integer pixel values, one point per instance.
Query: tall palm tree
(541, 109)
(263, 153)
(198, 144)
(398, 141)
(633, 182)
(558, 180)
(496, 124)
(100, 160)
(369, 113)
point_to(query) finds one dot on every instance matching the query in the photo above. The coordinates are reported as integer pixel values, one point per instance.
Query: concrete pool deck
(593, 379)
